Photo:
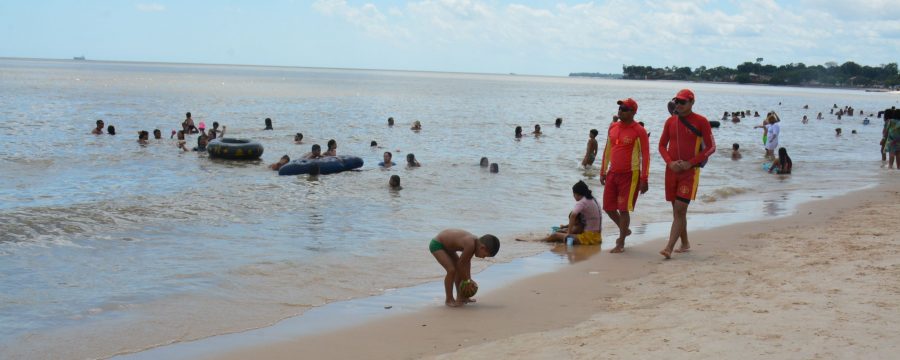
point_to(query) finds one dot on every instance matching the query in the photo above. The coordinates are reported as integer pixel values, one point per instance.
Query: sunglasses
(624, 109)
(681, 101)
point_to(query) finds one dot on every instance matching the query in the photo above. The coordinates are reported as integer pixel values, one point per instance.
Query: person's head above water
(157, 134)
(373, 143)
(111, 130)
(581, 189)
(411, 159)
(298, 137)
(518, 131)
(394, 181)
(268, 122)
(314, 170)
(332, 144)
(187, 115)
(484, 162)
(735, 146)
(558, 122)
(316, 150)
(390, 121)
(495, 168)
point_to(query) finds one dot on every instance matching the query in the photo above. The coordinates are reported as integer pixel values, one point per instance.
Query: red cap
(629, 102)
(685, 94)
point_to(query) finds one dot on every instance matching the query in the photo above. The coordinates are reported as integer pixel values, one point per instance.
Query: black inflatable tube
(327, 165)
(234, 149)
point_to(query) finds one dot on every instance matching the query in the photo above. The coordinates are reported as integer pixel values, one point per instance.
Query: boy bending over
(445, 246)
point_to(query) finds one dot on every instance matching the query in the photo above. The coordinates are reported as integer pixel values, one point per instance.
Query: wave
(723, 193)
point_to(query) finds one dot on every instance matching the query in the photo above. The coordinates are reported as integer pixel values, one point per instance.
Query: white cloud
(367, 17)
(651, 32)
(151, 7)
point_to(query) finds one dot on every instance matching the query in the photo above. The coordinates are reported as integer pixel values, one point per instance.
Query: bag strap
(689, 126)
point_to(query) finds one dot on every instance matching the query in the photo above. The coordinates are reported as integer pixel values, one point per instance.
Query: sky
(539, 37)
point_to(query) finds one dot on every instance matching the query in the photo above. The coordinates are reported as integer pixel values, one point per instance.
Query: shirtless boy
(444, 248)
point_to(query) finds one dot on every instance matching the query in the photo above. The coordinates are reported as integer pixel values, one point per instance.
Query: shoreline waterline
(343, 315)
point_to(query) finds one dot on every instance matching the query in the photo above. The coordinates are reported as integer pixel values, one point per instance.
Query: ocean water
(107, 246)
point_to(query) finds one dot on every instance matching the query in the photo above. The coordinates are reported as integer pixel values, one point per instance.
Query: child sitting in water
(782, 164)
(444, 248)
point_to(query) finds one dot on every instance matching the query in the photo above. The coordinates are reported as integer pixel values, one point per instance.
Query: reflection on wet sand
(575, 253)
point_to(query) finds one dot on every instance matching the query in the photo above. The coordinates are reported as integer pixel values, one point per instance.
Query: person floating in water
(445, 246)
(281, 162)
(268, 123)
(315, 152)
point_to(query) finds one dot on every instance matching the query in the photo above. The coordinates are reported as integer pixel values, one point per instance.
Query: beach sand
(823, 283)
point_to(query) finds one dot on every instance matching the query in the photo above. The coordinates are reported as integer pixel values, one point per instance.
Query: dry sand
(823, 283)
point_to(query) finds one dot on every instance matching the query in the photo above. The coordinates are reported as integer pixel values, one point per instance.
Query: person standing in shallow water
(685, 145)
(627, 153)
(591, 153)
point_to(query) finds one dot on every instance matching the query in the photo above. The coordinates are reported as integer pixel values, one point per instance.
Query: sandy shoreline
(822, 283)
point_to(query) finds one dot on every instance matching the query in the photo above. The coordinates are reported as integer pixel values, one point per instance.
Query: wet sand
(822, 283)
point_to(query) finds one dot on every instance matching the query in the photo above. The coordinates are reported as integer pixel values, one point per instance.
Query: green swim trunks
(435, 245)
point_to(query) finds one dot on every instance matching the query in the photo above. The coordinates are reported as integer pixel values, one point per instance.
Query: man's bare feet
(683, 249)
(666, 253)
(617, 250)
(452, 303)
(468, 300)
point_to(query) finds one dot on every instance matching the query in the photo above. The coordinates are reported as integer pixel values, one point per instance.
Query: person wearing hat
(685, 145)
(627, 154)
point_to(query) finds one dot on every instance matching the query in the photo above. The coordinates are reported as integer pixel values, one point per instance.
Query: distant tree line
(600, 75)
(848, 74)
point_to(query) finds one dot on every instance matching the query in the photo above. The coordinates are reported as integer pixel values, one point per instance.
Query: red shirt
(627, 149)
(678, 142)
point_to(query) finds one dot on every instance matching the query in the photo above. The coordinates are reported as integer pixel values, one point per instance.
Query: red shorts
(682, 185)
(621, 191)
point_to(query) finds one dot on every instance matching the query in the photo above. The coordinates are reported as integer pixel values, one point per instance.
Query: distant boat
(78, 58)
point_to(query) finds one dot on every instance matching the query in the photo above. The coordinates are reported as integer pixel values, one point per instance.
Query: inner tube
(714, 124)
(327, 165)
(234, 149)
